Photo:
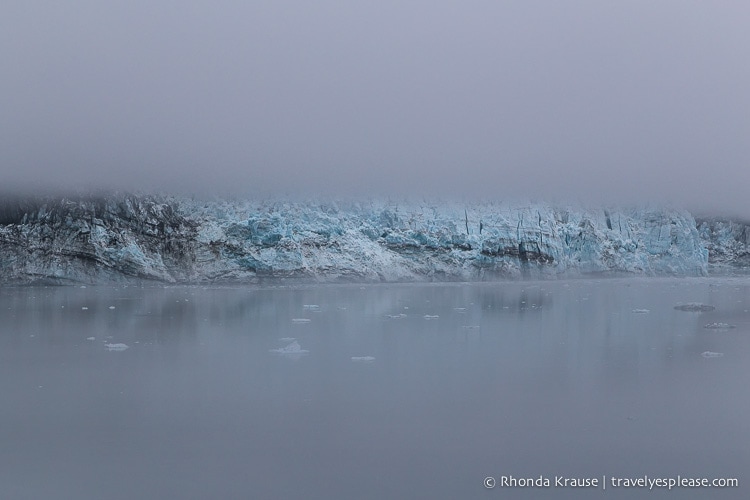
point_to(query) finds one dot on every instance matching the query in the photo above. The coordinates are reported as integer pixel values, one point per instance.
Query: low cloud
(628, 102)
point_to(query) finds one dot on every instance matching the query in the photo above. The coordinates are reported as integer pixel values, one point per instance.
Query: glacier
(174, 239)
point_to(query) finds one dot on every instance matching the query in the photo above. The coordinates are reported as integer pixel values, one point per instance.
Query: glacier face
(727, 242)
(173, 239)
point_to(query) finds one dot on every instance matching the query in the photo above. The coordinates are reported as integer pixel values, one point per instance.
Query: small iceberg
(428, 316)
(719, 326)
(694, 307)
(292, 349)
(300, 320)
(641, 311)
(363, 359)
(710, 354)
(116, 347)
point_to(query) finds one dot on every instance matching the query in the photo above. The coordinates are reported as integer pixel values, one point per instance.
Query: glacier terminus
(173, 239)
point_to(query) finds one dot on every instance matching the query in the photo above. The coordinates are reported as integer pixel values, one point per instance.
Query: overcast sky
(604, 99)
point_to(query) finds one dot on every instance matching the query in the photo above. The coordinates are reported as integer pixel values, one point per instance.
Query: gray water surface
(515, 379)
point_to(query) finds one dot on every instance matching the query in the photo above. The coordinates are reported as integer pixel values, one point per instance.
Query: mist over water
(402, 391)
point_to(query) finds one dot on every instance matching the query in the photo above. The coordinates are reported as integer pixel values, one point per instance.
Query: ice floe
(719, 326)
(694, 307)
(116, 347)
(292, 349)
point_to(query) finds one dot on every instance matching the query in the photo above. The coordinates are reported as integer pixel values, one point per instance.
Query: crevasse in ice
(174, 239)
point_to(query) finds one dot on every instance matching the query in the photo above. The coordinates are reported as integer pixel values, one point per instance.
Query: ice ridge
(181, 240)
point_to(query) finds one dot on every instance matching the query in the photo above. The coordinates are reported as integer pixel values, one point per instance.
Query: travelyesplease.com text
(605, 481)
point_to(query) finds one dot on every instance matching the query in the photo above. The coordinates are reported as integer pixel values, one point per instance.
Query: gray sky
(607, 100)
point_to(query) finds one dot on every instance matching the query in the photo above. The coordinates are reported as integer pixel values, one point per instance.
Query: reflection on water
(383, 391)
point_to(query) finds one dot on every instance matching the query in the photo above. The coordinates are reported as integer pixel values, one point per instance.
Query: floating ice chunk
(428, 316)
(641, 311)
(719, 326)
(292, 349)
(90, 338)
(363, 359)
(115, 347)
(287, 339)
(709, 354)
(300, 320)
(694, 307)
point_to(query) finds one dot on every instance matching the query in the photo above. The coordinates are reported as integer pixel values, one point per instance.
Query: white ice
(694, 307)
(291, 349)
(719, 326)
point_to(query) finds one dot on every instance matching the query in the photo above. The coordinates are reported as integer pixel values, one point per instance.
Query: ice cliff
(727, 242)
(173, 239)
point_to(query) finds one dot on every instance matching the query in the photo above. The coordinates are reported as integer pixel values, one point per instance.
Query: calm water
(467, 381)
